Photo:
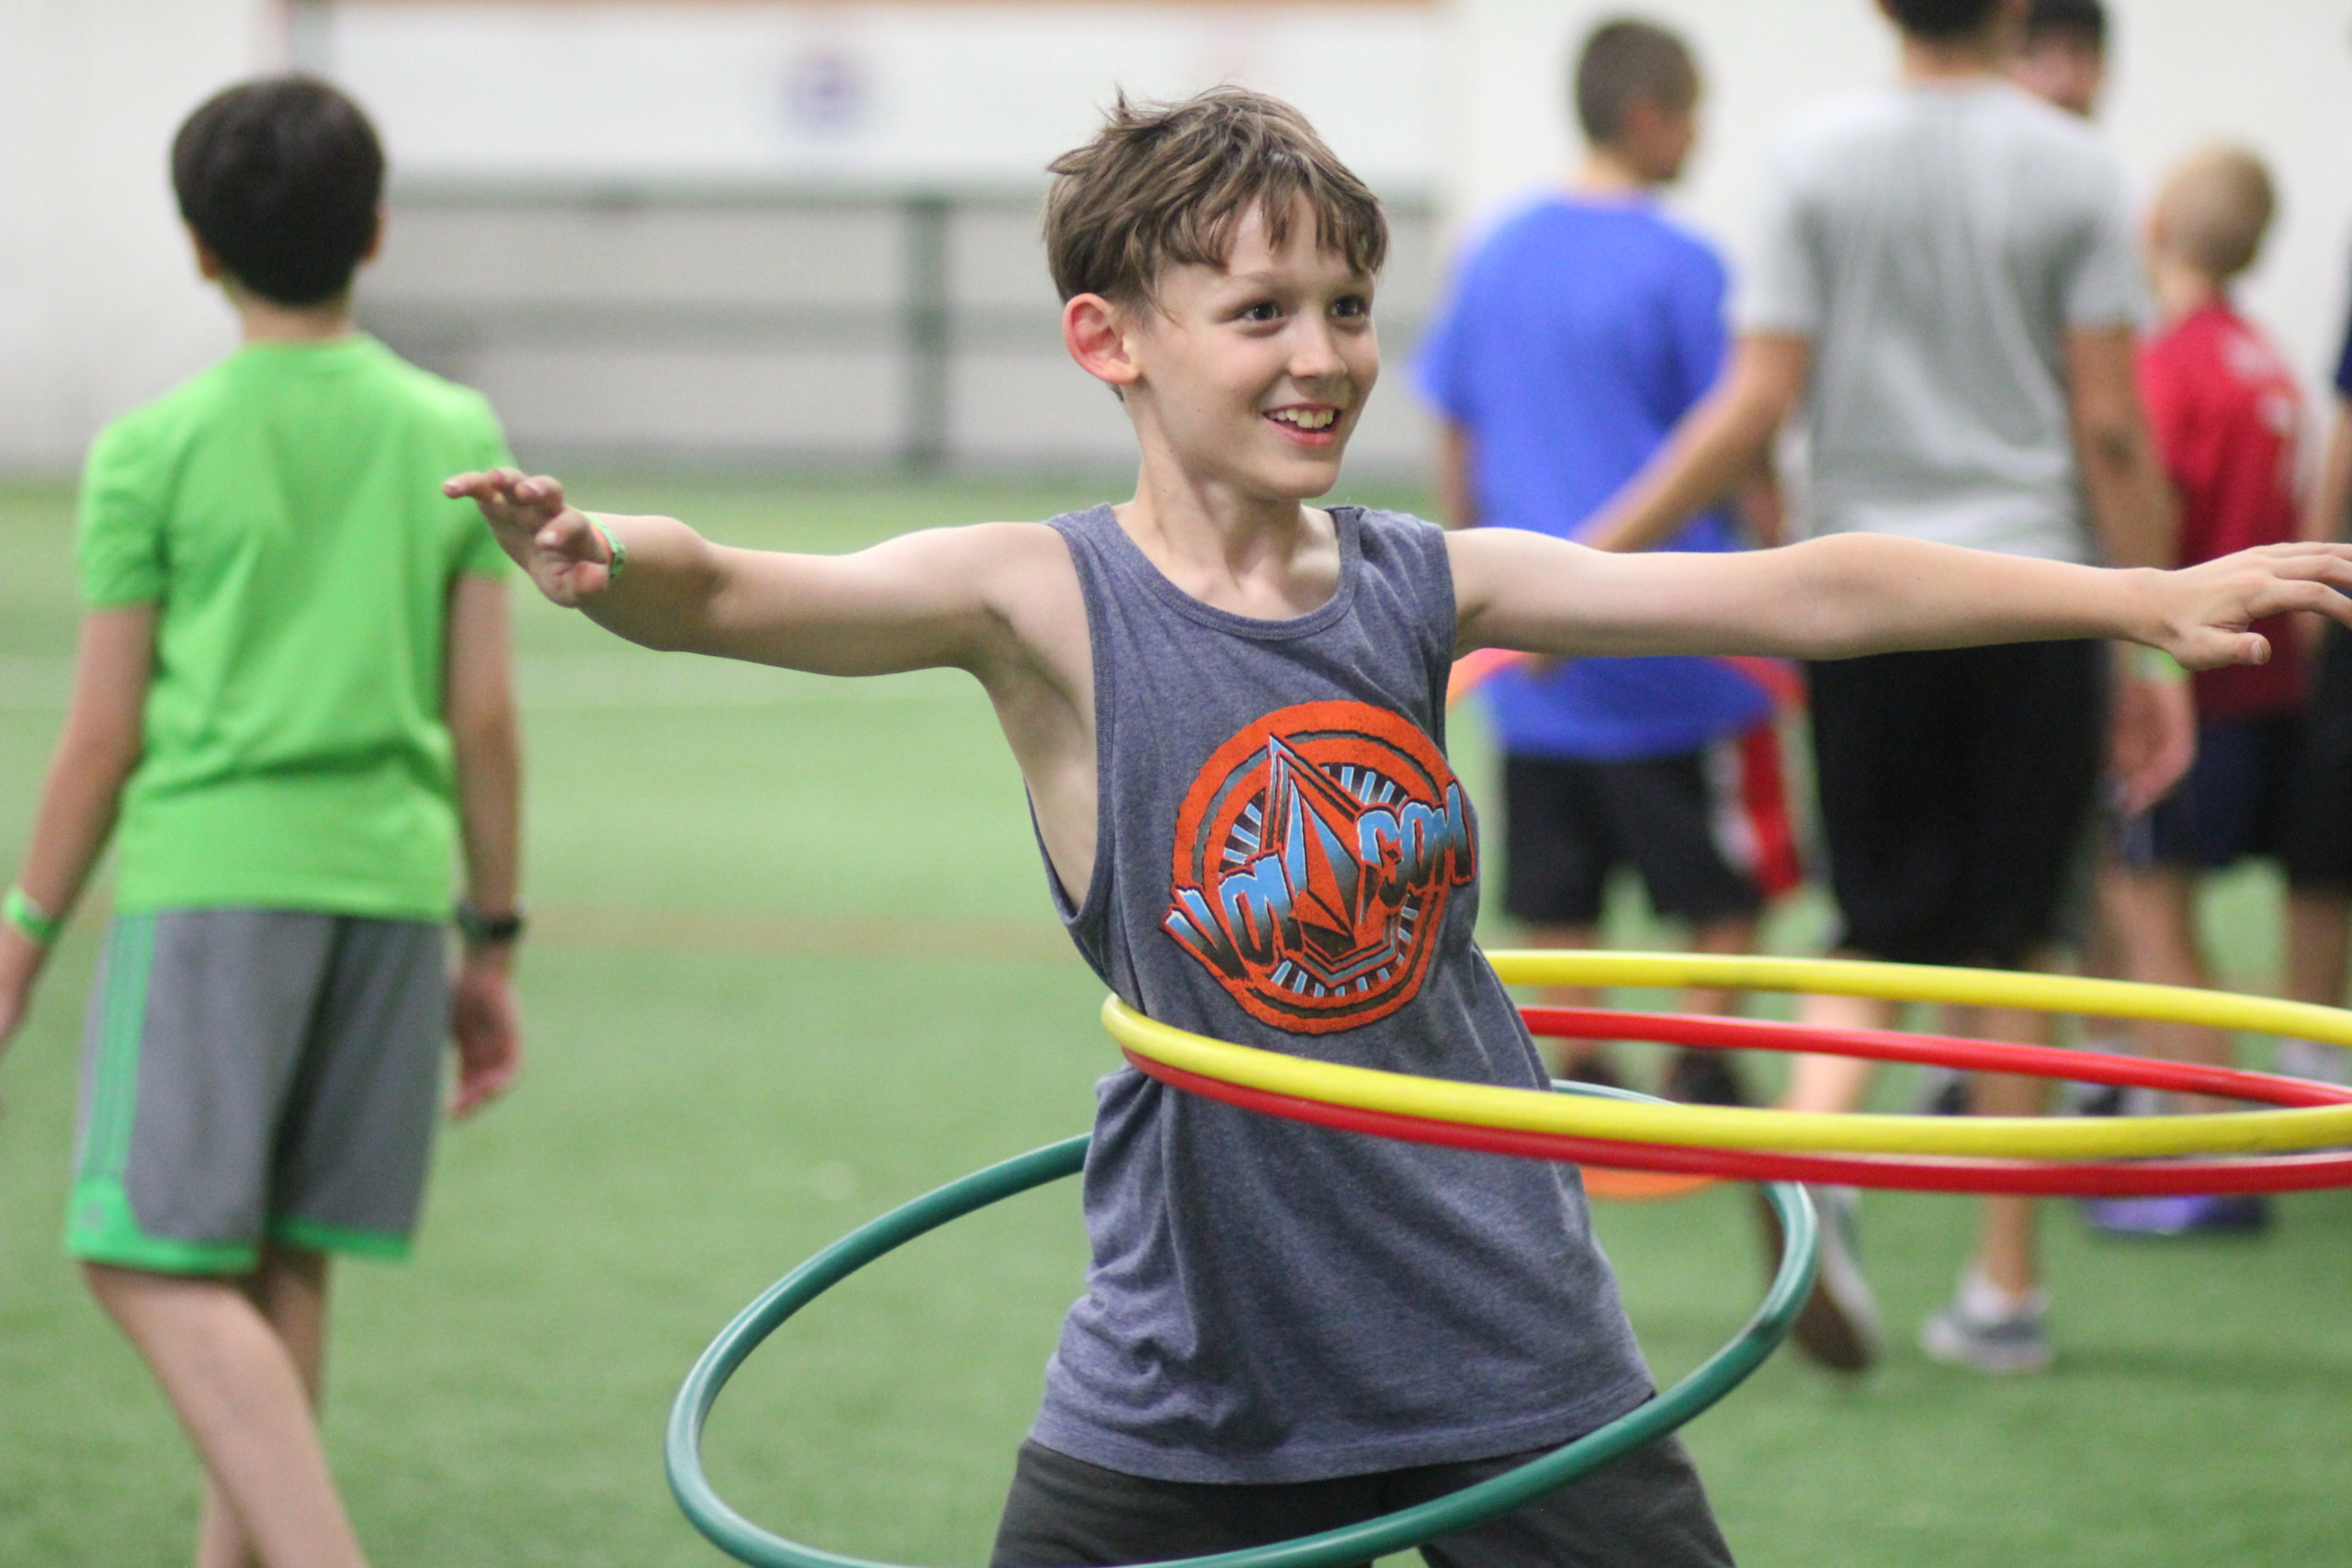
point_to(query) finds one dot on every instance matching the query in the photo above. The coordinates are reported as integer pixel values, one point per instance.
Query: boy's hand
(2204, 612)
(565, 554)
(2151, 740)
(488, 1029)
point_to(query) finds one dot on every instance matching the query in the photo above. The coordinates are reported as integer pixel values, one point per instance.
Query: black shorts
(2316, 824)
(2232, 804)
(1708, 830)
(1646, 1510)
(1956, 786)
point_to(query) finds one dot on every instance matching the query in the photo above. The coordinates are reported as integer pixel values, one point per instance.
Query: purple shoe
(2192, 1214)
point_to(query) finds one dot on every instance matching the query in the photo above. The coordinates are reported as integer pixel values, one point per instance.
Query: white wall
(634, 111)
(2273, 74)
(100, 308)
(887, 91)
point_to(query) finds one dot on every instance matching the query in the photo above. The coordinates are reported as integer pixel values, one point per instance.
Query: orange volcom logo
(1314, 857)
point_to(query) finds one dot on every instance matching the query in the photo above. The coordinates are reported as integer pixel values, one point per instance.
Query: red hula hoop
(2041, 1178)
(1932, 1050)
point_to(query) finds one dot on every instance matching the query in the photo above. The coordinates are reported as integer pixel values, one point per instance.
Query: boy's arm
(480, 704)
(1721, 443)
(94, 756)
(2330, 513)
(913, 602)
(1856, 594)
(2130, 500)
(2152, 736)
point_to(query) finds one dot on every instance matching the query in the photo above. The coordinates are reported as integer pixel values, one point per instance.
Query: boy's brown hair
(1164, 185)
(1627, 61)
(2215, 208)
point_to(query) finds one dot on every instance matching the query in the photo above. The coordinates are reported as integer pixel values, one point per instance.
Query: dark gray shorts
(252, 1074)
(1646, 1510)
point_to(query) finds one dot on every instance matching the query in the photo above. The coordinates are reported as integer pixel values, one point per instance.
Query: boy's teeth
(1306, 419)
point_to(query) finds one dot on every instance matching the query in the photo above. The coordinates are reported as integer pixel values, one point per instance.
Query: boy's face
(1658, 138)
(1256, 371)
(2062, 69)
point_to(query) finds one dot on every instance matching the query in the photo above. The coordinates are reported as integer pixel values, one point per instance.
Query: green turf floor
(795, 966)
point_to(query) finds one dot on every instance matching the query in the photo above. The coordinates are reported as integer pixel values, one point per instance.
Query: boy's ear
(208, 265)
(1096, 332)
(375, 240)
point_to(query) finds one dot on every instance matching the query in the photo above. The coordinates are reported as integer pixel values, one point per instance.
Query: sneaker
(1943, 1091)
(2096, 1099)
(1839, 1327)
(1594, 1068)
(2242, 1214)
(2004, 1345)
(1703, 1077)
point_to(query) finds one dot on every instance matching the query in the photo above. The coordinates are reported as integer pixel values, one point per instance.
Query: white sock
(1985, 1301)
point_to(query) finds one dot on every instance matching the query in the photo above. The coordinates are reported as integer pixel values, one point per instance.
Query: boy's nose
(1314, 353)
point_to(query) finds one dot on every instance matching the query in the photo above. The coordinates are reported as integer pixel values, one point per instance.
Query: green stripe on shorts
(131, 952)
(99, 1224)
(321, 1237)
(101, 1228)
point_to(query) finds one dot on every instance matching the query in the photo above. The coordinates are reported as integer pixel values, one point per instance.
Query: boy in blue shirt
(1578, 332)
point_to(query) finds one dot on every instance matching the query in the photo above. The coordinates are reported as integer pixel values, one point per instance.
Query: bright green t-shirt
(283, 512)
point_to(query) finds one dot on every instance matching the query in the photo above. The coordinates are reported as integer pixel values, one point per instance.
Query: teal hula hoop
(747, 1543)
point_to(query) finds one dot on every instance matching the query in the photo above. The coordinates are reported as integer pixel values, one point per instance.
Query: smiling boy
(1228, 706)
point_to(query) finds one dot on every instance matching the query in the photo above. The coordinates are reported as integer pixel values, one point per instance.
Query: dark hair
(1625, 61)
(281, 178)
(1163, 185)
(1943, 19)
(2083, 21)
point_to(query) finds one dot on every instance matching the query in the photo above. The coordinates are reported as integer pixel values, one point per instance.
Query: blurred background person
(1576, 334)
(1946, 284)
(2061, 55)
(2319, 898)
(2226, 412)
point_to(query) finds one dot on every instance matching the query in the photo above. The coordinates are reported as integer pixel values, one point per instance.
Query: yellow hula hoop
(1483, 1105)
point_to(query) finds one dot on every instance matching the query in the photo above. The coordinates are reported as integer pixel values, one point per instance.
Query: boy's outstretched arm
(94, 756)
(909, 604)
(1854, 594)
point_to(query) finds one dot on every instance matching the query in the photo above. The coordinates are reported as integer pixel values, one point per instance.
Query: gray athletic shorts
(252, 1074)
(1646, 1510)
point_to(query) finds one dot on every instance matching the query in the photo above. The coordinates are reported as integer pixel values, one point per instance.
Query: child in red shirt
(2225, 412)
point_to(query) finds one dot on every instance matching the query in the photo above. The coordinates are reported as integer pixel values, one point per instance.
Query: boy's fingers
(565, 528)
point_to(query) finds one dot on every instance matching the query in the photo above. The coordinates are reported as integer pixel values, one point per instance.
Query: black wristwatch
(480, 930)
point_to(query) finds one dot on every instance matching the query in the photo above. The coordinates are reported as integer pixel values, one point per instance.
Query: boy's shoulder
(2217, 349)
(1856, 134)
(1558, 227)
(226, 389)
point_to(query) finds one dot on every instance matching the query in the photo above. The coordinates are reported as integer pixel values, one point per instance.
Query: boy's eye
(1261, 310)
(1351, 308)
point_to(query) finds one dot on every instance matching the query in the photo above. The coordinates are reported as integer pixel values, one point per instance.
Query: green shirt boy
(293, 697)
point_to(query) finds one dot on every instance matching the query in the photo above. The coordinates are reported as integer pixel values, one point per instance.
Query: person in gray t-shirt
(1934, 245)
(1945, 286)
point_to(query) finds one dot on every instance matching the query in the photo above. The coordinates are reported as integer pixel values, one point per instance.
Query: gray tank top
(1284, 859)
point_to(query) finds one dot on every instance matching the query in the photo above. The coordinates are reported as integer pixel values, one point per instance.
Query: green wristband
(19, 910)
(619, 563)
(2155, 664)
